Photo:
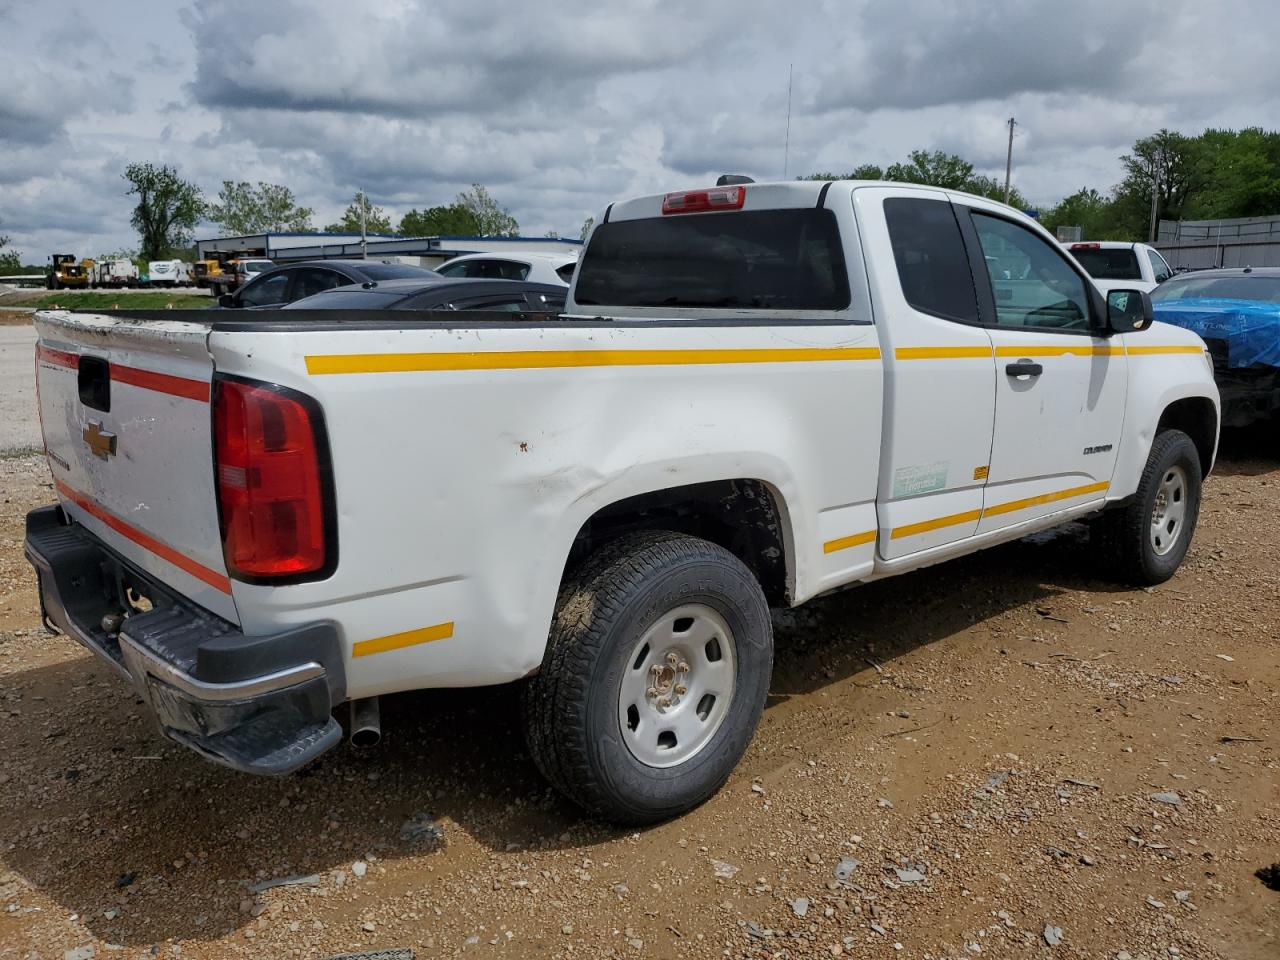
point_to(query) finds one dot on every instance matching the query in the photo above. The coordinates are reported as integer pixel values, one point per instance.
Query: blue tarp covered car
(1237, 313)
(1250, 329)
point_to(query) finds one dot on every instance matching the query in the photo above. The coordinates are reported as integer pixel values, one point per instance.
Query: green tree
(167, 211)
(587, 224)
(1174, 163)
(863, 171)
(244, 208)
(453, 220)
(1087, 209)
(1243, 175)
(932, 168)
(937, 169)
(491, 219)
(375, 218)
(10, 260)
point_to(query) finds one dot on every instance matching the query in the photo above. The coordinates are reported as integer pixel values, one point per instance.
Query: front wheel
(655, 675)
(1146, 540)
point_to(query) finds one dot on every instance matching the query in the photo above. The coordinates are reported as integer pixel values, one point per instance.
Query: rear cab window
(1108, 264)
(786, 259)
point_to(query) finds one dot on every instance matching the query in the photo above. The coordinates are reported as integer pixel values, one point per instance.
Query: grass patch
(21, 453)
(124, 301)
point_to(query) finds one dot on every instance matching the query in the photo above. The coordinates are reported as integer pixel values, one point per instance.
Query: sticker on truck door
(919, 478)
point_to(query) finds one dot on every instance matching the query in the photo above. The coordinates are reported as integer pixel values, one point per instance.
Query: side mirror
(1128, 311)
(226, 300)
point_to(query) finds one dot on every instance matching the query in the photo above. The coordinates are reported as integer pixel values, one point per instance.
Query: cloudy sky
(560, 107)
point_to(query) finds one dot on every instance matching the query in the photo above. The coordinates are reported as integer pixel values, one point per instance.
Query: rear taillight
(1086, 246)
(273, 489)
(701, 201)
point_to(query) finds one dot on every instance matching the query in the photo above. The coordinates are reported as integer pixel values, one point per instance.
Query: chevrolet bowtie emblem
(102, 444)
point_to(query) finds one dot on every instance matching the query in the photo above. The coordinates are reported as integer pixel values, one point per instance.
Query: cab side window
(267, 292)
(932, 264)
(1032, 283)
(312, 280)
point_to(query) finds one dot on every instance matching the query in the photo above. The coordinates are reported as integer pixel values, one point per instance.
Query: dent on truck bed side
(466, 467)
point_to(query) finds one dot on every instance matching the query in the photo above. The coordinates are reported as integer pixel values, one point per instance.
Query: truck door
(939, 371)
(1060, 388)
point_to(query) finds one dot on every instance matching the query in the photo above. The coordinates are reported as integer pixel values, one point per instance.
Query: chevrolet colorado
(757, 393)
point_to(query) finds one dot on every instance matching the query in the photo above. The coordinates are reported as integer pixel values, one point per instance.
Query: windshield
(256, 266)
(1236, 287)
(1115, 264)
(763, 259)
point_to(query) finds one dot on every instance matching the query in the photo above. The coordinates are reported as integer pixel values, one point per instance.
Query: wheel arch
(1197, 417)
(745, 515)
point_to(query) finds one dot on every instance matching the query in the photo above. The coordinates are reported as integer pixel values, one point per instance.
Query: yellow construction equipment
(63, 272)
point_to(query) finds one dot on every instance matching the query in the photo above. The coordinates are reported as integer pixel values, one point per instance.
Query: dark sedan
(441, 293)
(288, 282)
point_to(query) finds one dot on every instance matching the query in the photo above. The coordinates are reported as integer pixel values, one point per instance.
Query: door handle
(1024, 368)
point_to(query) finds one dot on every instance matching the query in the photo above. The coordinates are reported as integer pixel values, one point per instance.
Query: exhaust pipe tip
(366, 723)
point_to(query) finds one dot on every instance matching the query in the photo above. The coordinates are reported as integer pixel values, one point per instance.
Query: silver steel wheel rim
(1169, 513)
(677, 686)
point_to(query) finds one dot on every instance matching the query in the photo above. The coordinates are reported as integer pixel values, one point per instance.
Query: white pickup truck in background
(1116, 265)
(758, 393)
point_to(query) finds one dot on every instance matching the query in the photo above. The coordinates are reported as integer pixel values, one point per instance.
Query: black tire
(1125, 535)
(571, 707)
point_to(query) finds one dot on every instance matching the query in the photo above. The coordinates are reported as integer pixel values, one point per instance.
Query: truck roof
(773, 195)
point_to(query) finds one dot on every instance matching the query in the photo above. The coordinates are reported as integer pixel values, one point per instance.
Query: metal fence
(1203, 244)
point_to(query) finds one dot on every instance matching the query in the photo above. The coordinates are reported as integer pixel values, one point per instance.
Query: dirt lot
(984, 742)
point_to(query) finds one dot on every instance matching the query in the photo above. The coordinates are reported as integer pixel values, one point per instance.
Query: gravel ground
(1002, 756)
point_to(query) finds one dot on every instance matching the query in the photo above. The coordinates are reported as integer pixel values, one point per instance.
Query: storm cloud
(561, 108)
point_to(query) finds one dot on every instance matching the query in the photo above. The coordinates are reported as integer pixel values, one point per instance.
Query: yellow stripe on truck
(844, 543)
(1014, 505)
(1060, 350)
(942, 353)
(319, 365)
(1153, 350)
(924, 526)
(398, 641)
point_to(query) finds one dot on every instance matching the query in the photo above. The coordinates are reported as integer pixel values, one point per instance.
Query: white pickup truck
(758, 393)
(1116, 265)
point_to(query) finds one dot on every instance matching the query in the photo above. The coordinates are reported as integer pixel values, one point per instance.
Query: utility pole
(786, 146)
(364, 240)
(1008, 160)
(1155, 204)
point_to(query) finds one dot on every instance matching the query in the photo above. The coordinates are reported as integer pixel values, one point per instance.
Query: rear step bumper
(256, 704)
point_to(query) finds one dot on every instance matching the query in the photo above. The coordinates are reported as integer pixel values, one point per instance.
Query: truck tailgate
(125, 411)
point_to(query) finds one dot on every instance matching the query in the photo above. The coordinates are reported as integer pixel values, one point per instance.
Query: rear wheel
(1145, 541)
(655, 675)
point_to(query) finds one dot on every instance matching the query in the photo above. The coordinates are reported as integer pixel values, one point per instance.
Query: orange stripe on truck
(134, 376)
(149, 543)
(398, 641)
(58, 357)
(161, 382)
